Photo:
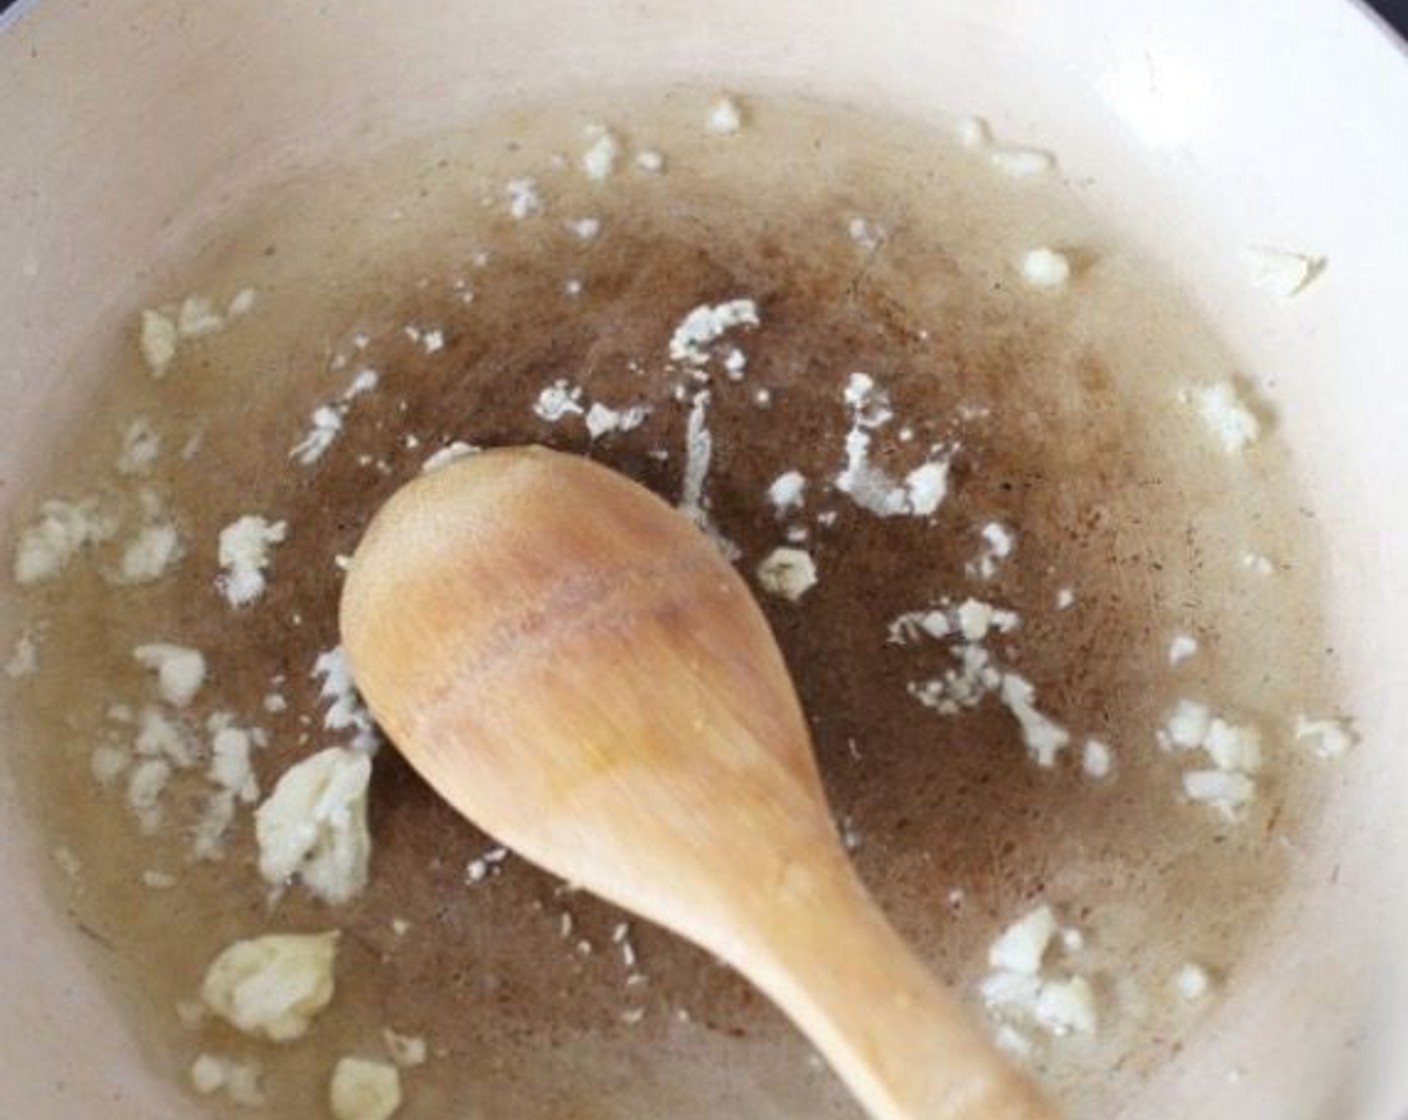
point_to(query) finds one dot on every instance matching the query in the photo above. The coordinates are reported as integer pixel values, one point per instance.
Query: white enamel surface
(1201, 127)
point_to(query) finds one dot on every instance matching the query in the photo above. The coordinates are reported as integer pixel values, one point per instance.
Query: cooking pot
(1196, 128)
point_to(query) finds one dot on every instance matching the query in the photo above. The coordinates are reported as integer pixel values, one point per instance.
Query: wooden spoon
(571, 664)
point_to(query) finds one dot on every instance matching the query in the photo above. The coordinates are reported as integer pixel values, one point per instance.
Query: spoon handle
(903, 1044)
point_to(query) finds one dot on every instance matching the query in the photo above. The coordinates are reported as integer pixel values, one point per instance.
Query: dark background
(1395, 12)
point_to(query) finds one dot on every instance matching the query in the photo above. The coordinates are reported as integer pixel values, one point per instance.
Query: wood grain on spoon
(573, 666)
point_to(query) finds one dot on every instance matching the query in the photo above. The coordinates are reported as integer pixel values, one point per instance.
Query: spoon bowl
(576, 669)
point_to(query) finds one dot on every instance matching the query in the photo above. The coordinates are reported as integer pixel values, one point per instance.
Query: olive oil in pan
(868, 245)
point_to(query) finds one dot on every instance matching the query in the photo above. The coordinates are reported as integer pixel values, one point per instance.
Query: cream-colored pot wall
(1200, 126)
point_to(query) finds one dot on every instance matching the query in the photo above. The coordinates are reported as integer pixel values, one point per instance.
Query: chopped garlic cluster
(1024, 990)
(1228, 784)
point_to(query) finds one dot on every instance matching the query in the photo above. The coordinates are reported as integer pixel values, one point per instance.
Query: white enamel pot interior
(1198, 127)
